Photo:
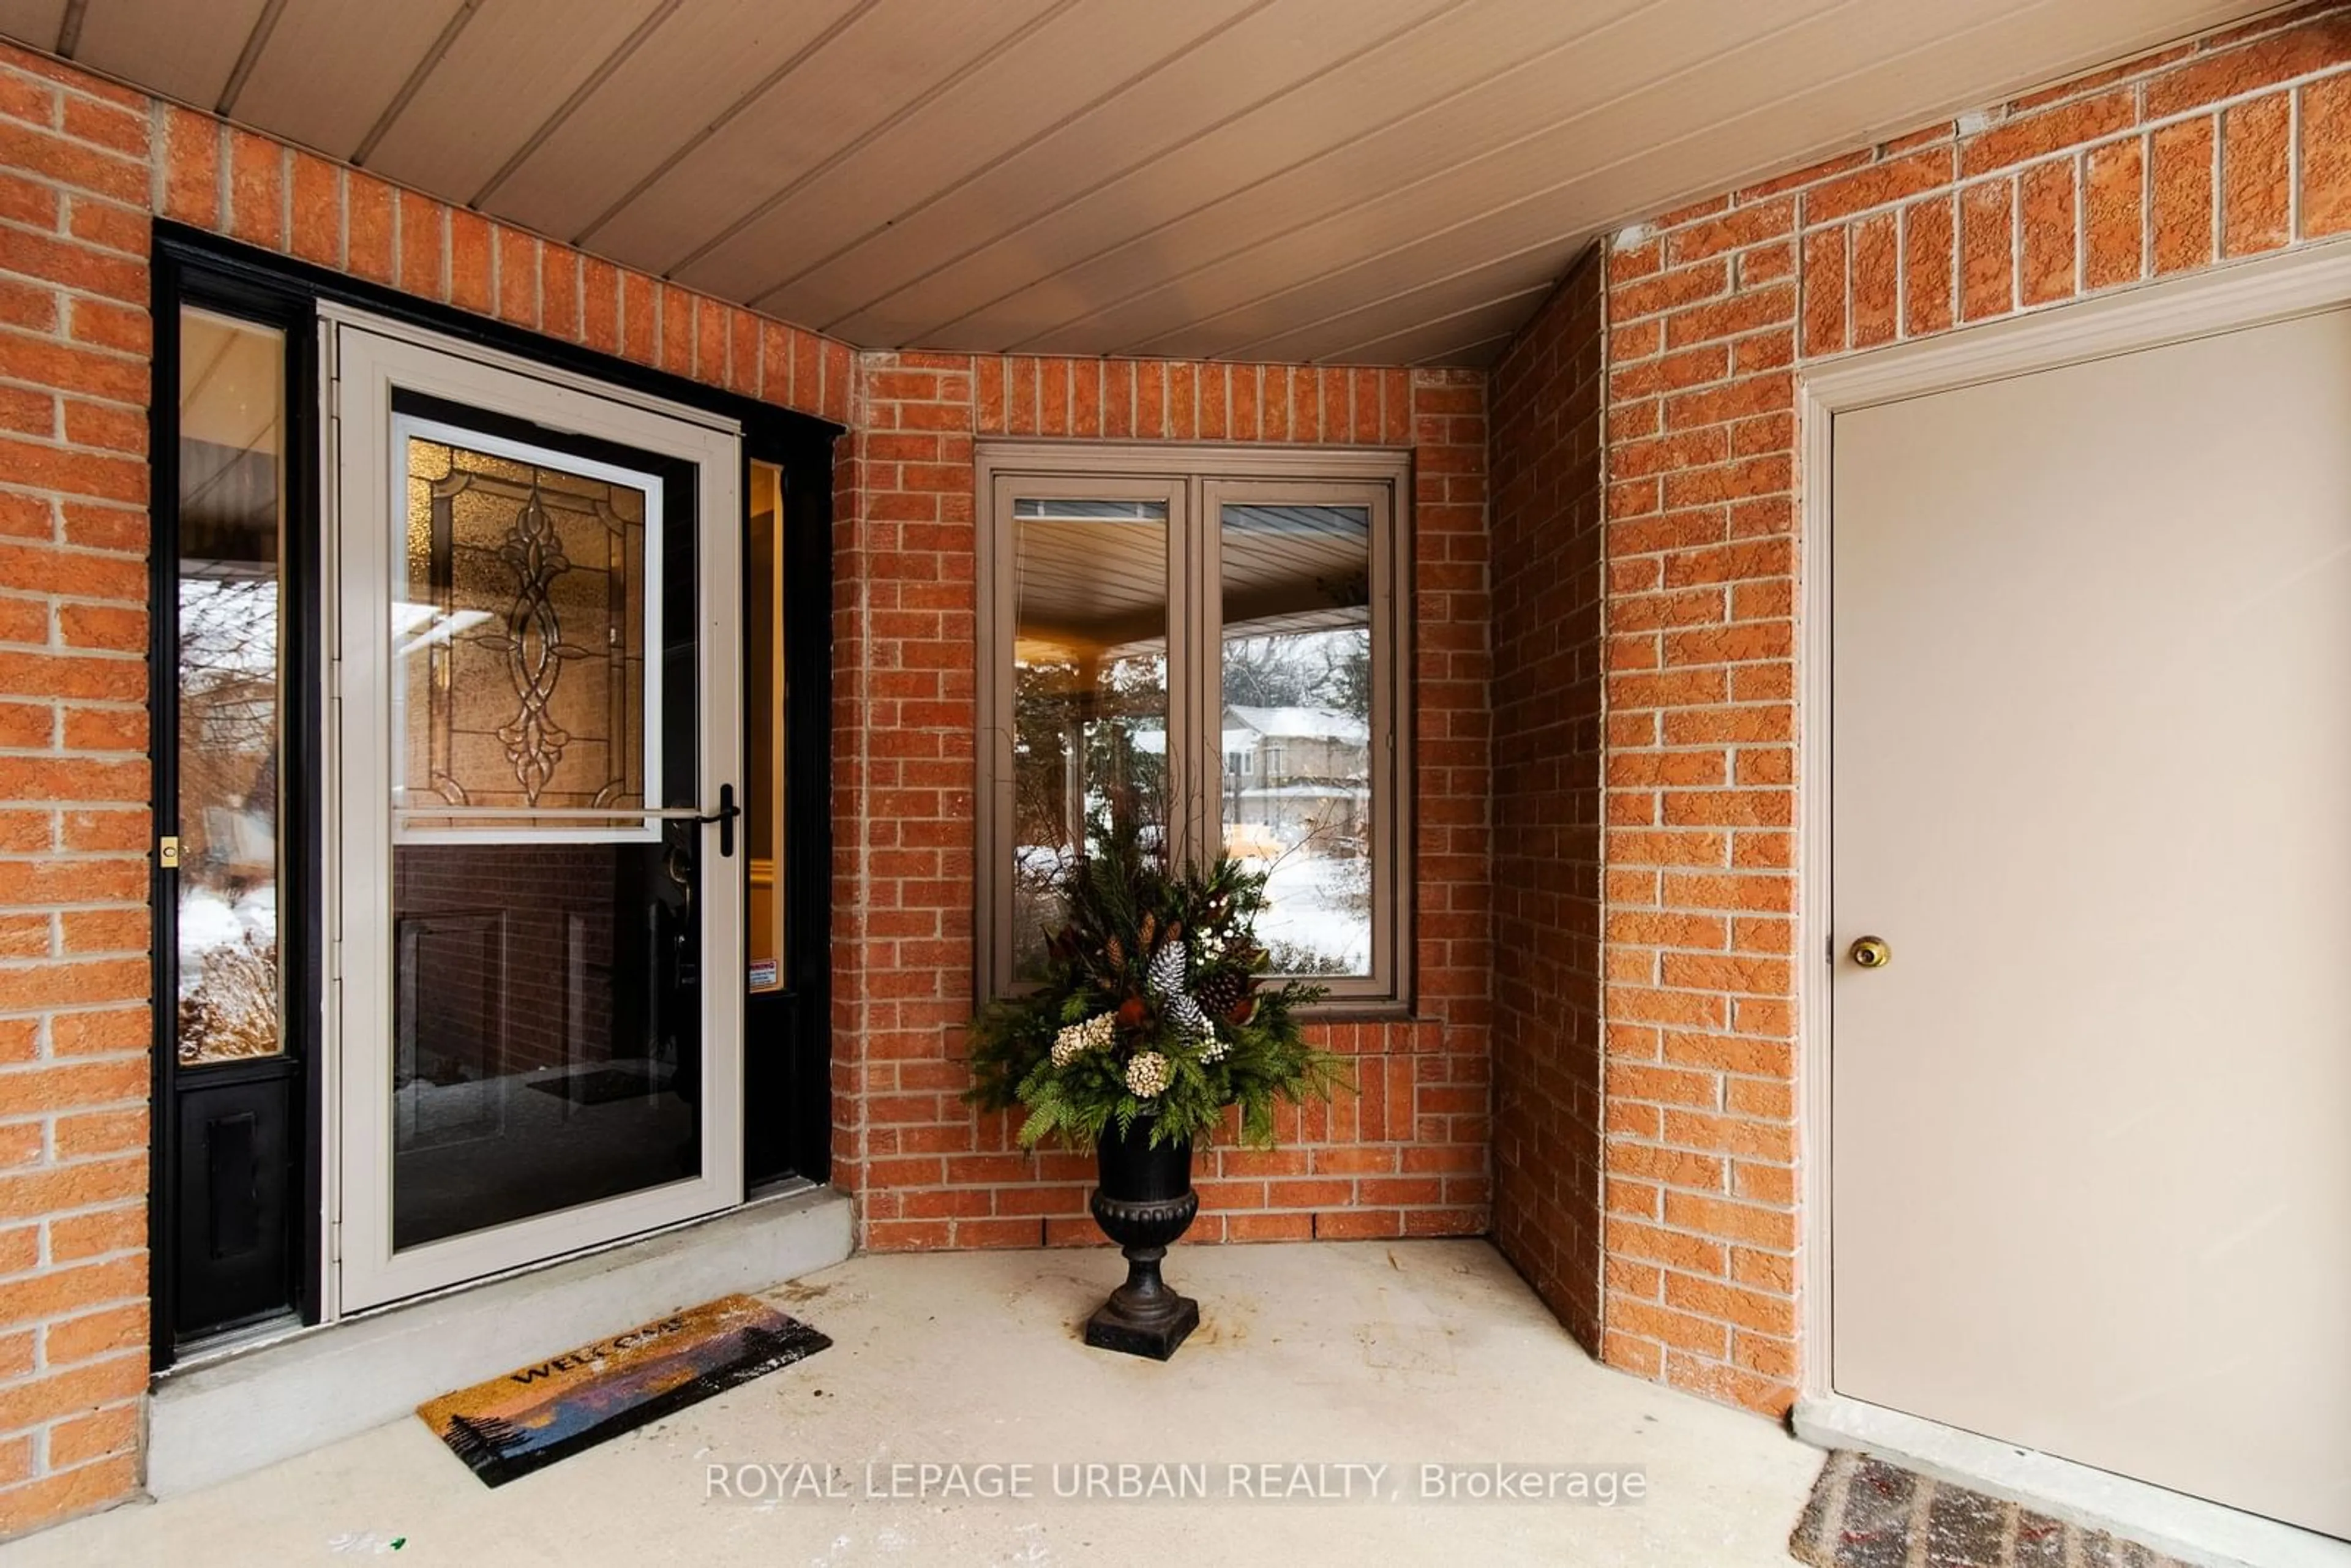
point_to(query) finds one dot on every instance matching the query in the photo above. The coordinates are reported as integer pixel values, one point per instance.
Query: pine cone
(1221, 991)
(1117, 954)
(1186, 1015)
(1149, 925)
(1166, 972)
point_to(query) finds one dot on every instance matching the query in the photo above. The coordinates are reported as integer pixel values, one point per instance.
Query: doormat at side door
(536, 1415)
(1867, 1513)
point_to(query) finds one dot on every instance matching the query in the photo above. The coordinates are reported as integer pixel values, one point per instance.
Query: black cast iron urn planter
(1143, 1203)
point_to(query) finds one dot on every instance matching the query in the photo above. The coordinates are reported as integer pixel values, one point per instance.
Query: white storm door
(2092, 785)
(538, 739)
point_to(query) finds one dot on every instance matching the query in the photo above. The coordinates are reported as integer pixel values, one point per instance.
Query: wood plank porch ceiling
(1391, 181)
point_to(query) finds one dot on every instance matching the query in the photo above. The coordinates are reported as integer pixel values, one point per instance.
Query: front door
(2092, 788)
(538, 985)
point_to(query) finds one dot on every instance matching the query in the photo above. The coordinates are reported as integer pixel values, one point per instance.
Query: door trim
(355, 349)
(338, 313)
(195, 279)
(2226, 298)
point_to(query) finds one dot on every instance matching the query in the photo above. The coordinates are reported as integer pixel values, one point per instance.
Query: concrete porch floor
(1407, 1352)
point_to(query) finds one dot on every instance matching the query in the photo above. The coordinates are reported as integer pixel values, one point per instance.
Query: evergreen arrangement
(1154, 1004)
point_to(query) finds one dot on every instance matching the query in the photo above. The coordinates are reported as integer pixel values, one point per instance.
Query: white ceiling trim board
(580, 96)
(408, 89)
(766, 85)
(1036, 139)
(250, 56)
(1445, 175)
(1326, 181)
(1112, 179)
(1544, 196)
(914, 105)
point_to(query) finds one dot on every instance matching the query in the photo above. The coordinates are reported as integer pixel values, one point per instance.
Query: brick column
(1548, 579)
(74, 826)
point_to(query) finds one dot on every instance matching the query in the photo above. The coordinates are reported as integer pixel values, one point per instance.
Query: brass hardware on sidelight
(167, 853)
(1871, 953)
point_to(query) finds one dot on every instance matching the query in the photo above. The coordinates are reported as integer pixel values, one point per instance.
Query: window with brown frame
(1211, 642)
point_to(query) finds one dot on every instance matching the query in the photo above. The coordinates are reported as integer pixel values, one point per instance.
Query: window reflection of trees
(1090, 746)
(228, 816)
(226, 539)
(1302, 803)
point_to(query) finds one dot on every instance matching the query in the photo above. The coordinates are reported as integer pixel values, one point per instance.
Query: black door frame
(792, 1055)
(279, 1093)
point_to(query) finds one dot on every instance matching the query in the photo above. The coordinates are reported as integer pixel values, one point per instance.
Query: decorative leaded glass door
(540, 728)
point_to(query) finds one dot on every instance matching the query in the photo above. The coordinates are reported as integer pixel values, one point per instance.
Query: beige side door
(2092, 784)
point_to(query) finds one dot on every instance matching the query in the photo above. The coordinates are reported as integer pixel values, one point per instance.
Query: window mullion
(1198, 665)
(1179, 674)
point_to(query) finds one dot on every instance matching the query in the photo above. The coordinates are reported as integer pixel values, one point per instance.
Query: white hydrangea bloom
(1095, 1034)
(1146, 1074)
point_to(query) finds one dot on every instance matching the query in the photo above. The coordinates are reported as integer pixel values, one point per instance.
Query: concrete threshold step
(240, 1410)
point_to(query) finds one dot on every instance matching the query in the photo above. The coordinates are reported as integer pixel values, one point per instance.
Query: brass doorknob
(1871, 953)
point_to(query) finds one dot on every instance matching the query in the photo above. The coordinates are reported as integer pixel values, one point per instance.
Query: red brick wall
(1548, 580)
(1408, 1157)
(2228, 146)
(83, 166)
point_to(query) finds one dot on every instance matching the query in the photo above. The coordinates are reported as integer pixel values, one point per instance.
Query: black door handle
(725, 817)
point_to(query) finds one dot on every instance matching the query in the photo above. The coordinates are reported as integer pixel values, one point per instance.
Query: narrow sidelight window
(1207, 644)
(233, 686)
(766, 696)
(232, 525)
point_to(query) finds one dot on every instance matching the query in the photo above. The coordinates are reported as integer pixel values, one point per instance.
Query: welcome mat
(1867, 1513)
(536, 1414)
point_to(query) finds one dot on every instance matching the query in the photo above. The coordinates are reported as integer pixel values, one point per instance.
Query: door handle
(1870, 953)
(725, 817)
